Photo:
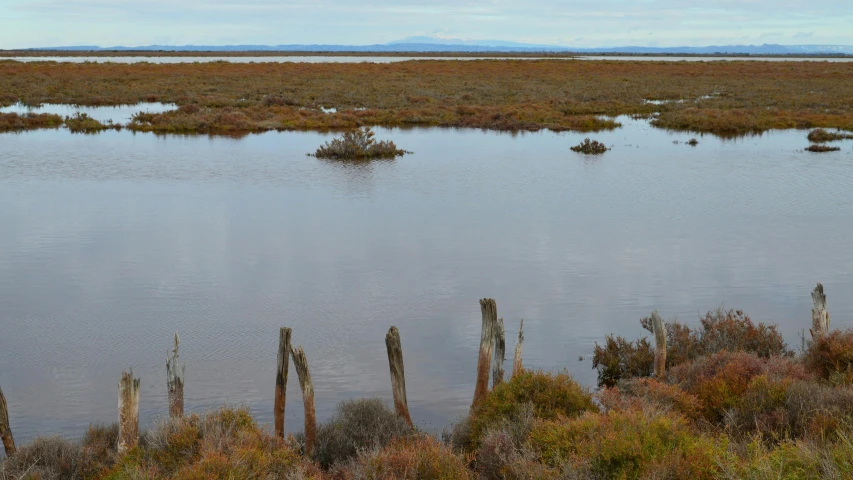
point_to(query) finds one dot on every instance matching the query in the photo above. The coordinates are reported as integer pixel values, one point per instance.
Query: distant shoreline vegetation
(721, 98)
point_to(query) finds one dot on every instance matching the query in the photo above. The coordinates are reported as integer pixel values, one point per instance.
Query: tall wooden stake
(301, 365)
(820, 317)
(281, 379)
(489, 309)
(660, 345)
(500, 353)
(517, 366)
(398, 376)
(128, 412)
(5, 429)
(175, 382)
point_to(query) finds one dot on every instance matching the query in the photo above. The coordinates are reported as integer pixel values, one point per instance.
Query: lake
(393, 59)
(112, 242)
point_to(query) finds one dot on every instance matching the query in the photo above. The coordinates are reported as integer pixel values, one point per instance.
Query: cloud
(598, 22)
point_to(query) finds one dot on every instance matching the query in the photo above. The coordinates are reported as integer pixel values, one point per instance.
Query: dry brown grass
(726, 98)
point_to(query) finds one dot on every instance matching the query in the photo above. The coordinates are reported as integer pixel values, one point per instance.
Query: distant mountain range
(432, 44)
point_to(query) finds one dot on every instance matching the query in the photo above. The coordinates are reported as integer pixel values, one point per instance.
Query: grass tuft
(358, 145)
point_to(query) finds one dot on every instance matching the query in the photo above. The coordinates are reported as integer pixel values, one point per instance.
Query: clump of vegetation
(720, 330)
(619, 358)
(83, 123)
(831, 357)
(693, 142)
(358, 145)
(413, 458)
(27, 121)
(358, 425)
(590, 147)
(549, 395)
(822, 148)
(820, 135)
(628, 444)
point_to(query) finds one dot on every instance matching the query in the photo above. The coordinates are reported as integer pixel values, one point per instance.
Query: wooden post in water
(500, 353)
(301, 365)
(398, 376)
(175, 382)
(820, 317)
(281, 379)
(5, 429)
(659, 330)
(128, 412)
(489, 309)
(517, 366)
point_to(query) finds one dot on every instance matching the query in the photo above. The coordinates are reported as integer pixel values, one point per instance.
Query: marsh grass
(83, 123)
(590, 147)
(28, 121)
(358, 145)
(506, 95)
(822, 148)
(820, 135)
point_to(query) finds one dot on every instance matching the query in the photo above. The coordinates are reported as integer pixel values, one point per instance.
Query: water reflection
(118, 114)
(112, 243)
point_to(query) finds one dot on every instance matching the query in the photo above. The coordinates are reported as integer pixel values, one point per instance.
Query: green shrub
(628, 444)
(357, 425)
(551, 396)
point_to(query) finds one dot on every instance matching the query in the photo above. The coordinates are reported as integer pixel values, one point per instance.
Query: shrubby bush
(720, 330)
(363, 424)
(831, 357)
(357, 145)
(550, 396)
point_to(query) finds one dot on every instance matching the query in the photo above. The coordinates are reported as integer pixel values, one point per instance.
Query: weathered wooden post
(5, 429)
(175, 382)
(659, 330)
(517, 366)
(281, 379)
(128, 412)
(489, 309)
(820, 317)
(398, 376)
(301, 365)
(500, 353)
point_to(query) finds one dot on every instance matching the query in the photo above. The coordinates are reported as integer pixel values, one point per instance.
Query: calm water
(112, 242)
(385, 59)
(118, 114)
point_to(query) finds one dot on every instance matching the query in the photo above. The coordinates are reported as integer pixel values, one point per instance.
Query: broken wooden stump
(820, 317)
(281, 379)
(301, 365)
(500, 353)
(489, 310)
(517, 366)
(398, 376)
(5, 429)
(175, 382)
(659, 330)
(128, 412)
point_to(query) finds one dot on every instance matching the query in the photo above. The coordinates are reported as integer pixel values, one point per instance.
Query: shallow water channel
(112, 242)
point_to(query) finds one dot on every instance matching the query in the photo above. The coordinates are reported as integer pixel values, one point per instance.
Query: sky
(579, 23)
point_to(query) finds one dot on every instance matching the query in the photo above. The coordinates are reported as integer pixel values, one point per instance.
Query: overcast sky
(581, 23)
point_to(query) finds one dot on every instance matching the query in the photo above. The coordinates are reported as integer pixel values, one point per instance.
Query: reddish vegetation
(726, 98)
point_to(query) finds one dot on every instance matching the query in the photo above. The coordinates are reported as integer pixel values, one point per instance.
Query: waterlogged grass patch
(590, 147)
(10, 122)
(822, 148)
(83, 123)
(820, 135)
(359, 145)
